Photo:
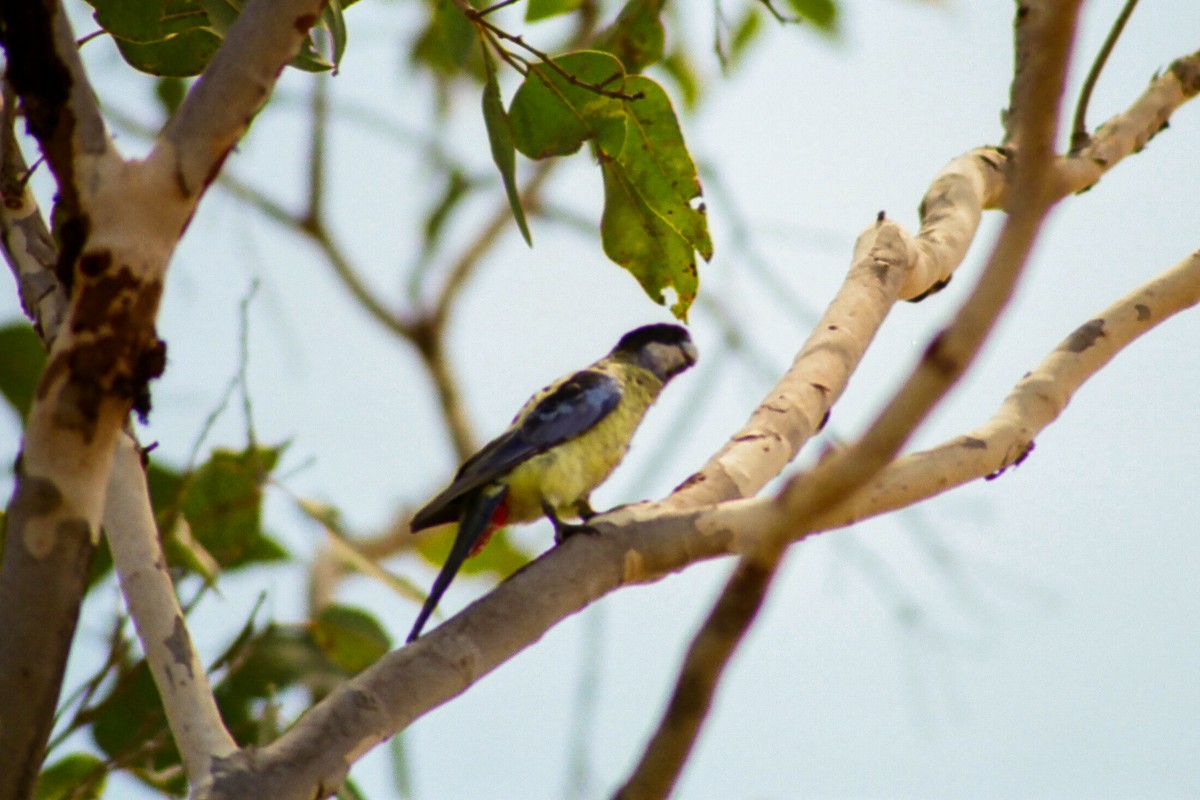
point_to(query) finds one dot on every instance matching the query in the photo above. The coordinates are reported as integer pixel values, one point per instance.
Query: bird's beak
(690, 353)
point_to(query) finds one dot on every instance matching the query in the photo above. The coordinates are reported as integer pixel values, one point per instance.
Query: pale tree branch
(888, 264)
(26, 241)
(1129, 131)
(1045, 31)
(1002, 442)
(1034, 403)
(149, 593)
(234, 87)
(642, 543)
(1044, 37)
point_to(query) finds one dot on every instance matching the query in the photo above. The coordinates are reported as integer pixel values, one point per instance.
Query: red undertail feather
(499, 520)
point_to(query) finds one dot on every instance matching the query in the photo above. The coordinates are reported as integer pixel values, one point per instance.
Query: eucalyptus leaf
(504, 153)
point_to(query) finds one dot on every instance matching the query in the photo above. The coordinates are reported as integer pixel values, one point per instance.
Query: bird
(563, 443)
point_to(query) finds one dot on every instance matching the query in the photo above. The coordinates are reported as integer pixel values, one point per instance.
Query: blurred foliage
(22, 358)
(79, 776)
(588, 79)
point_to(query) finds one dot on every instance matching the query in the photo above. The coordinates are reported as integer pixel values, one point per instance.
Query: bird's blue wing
(569, 410)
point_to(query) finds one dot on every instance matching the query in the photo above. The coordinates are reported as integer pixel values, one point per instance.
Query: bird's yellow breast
(567, 474)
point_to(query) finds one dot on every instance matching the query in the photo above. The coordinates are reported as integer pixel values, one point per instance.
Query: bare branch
(26, 241)
(735, 611)
(235, 85)
(1045, 31)
(1034, 403)
(1129, 131)
(888, 264)
(150, 596)
(53, 520)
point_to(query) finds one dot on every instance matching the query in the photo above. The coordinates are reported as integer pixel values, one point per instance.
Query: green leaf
(446, 42)
(822, 13)
(221, 14)
(659, 164)
(131, 720)
(264, 664)
(176, 38)
(541, 9)
(333, 19)
(22, 359)
(552, 116)
(637, 35)
(79, 776)
(649, 225)
(744, 32)
(350, 637)
(504, 152)
(144, 22)
(222, 503)
(637, 238)
(181, 56)
(458, 186)
(170, 93)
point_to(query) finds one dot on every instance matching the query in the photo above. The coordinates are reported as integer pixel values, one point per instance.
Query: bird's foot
(565, 530)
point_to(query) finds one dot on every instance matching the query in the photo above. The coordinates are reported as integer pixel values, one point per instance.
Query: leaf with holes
(638, 239)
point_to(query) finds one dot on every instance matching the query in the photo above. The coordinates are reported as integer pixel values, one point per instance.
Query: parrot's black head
(664, 349)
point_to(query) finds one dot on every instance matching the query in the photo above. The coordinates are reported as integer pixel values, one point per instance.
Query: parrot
(563, 443)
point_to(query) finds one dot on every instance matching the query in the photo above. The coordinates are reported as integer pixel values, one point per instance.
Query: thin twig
(316, 153)
(483, 12)
(477, 18)
(1079, 131)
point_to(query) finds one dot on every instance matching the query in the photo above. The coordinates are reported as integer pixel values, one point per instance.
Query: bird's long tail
(477, 518)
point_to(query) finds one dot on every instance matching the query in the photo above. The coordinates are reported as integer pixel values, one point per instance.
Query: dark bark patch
(95, 263)
(1143, 312)
(179, 646)
(99, 299)
(1188, 73)
(1084, 336)
(72, 234)
(74, 528)
(35, 496)
(937, 357)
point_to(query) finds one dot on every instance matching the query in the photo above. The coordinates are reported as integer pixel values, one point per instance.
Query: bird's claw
(565, 530)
